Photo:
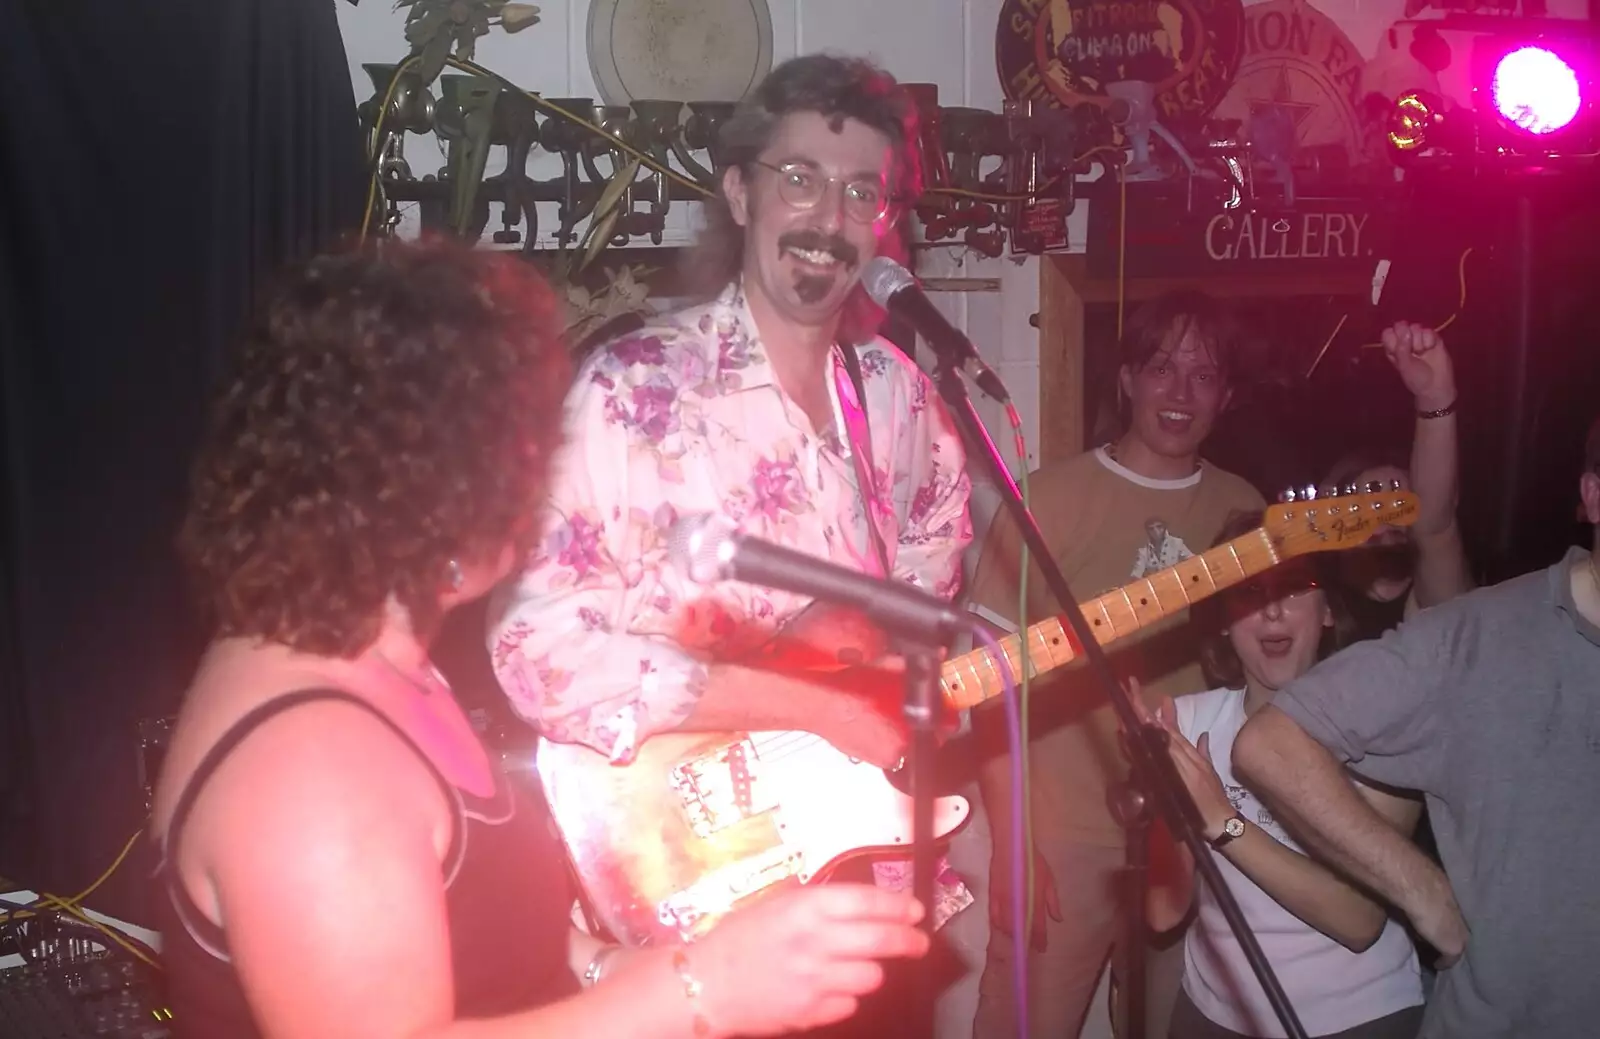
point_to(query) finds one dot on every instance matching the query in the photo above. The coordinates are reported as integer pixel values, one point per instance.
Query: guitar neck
(974, 678)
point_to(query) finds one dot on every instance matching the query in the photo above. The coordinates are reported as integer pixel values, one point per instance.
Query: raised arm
(1419, 355)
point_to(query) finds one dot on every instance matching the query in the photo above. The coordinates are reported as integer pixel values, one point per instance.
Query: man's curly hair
(391, 411)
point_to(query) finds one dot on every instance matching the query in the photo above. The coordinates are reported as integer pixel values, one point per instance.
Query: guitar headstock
(1307, 520)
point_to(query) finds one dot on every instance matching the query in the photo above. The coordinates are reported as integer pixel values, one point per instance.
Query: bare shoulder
(321, 778)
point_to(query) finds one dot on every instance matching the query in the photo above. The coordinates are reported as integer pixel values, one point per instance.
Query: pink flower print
(654, 410)
(593, 619)
(874, 362)
(777, 487)
(924, 501)
(733, 352)
(640, 349)
(580, 549)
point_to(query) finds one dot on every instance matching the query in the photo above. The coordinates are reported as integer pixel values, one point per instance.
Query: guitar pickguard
(715, 894)
(722, 789)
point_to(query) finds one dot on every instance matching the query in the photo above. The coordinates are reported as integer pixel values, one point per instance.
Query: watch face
(1235, 827)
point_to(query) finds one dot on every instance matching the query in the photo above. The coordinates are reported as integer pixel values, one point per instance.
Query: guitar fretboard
(973, 678)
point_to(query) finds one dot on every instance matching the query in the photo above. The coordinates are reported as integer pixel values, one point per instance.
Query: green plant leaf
(612, 193)
(599, 236)
(423, 27)
(466, 42)
(434, 53)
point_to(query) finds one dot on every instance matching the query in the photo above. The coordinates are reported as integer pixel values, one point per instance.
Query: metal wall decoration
(992, 179)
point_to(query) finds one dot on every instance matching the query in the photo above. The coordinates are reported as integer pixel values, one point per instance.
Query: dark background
(158, 160)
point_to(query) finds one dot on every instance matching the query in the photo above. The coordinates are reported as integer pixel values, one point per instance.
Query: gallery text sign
(1166, 240)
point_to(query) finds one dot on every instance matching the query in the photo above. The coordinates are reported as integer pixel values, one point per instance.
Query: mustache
(816, 241)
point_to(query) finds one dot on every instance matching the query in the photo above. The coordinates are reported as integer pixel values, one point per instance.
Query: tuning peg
(1374, 487)
(1287, 495)
(1394, 485)
(1308, 492)
(1349, 488)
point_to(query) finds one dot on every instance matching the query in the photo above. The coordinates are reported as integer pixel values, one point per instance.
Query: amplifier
(72, 987)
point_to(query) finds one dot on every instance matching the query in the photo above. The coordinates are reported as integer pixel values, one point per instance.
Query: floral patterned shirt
(600, 640)
(686, 416)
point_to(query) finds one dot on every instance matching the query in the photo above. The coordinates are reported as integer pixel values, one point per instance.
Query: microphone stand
(922, 706)
(1153, 776)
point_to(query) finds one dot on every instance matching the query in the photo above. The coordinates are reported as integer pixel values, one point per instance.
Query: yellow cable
(1122, 251)
(92, 888)
(71, 905)
(102, 928)
(377, 144)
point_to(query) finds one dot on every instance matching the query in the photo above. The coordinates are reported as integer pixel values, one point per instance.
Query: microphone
(893, 288)
(707, 548)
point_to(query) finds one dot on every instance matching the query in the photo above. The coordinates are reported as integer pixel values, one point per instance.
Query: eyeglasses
(802, 187)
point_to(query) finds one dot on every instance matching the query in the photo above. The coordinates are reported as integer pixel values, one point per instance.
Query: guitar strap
(860, 434)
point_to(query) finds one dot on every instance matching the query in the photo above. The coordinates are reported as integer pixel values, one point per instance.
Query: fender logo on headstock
(1352, 527)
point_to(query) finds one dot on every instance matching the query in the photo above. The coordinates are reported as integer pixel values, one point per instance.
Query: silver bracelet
(591, 973)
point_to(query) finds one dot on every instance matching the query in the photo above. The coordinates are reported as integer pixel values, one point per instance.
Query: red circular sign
(1189, 49)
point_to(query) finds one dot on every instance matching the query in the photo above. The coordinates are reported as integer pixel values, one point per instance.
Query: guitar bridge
(721, 789)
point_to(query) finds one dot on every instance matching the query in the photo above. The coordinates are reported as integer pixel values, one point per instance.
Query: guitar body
(666, 846)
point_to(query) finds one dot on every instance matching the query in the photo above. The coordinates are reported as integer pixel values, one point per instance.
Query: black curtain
(158, 160)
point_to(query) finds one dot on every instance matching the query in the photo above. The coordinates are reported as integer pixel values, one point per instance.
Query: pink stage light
(1537, 90)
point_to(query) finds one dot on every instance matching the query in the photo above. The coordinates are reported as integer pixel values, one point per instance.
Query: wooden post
(1060, 324)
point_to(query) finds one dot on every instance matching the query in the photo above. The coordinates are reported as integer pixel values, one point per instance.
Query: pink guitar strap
(860, 435)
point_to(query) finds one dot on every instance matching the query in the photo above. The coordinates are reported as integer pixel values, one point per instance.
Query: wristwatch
(1231, 829)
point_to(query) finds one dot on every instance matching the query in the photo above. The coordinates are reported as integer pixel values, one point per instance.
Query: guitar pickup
(722, 788)
(714, 895)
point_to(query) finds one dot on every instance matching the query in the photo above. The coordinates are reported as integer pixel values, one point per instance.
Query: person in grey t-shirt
(1490, 705)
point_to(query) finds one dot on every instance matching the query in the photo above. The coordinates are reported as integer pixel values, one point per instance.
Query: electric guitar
(666, 846)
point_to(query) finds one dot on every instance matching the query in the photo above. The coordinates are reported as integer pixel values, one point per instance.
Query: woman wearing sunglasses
(1348, 969)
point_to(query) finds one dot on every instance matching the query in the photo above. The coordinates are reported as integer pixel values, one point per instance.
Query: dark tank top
(507, 895)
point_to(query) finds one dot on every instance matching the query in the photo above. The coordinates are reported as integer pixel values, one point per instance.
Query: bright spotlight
(1536, 90)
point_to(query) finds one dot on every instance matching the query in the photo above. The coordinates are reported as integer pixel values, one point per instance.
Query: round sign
(1297, 61)
(679, 50)
(1064, 52)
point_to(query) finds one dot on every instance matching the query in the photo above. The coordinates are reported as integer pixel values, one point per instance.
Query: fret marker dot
(1144, 602)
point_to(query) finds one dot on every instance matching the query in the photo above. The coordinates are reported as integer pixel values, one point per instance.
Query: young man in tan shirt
(1122, 511)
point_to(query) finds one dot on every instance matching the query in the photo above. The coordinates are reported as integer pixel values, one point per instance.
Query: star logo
(1281, 101)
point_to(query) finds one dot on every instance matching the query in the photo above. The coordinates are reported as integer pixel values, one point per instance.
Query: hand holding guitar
(847, 654)
(801, 959)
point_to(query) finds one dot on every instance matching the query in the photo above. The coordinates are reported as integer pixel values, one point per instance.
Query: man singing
(746, 406)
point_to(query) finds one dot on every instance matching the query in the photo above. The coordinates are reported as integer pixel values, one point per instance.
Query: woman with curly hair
(339, 857)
